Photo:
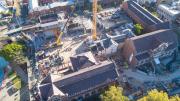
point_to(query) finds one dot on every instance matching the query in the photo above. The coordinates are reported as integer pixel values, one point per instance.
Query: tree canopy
(155, 95)
(175, 98)
(113, 94)
(138, 29)
(13, 52)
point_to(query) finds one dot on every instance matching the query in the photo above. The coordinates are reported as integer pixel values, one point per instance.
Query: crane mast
(59, 41)
(94, 31)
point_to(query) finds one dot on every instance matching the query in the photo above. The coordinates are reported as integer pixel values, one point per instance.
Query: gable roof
(46, 80)
(107, 43)
(152, 40)
(83, 80)
(46, 91)
(142, 13)
(83, 60)
(89, 78)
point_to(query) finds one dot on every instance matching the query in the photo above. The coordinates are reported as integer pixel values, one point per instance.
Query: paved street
(143, 77)
(21, 73)
(20, 95)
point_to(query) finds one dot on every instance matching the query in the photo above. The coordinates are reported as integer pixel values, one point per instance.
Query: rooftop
(48, 18)
(104, 44)
(34, 6)
(172, 10)
(112, 18)
(3, 6)
(83, 60)
(71, 84)
(120, 35)
(152, 40)
(142, 13)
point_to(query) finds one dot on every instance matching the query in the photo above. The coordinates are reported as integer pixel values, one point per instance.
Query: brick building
(80, 84)
(142, 16)
(107, 3)
(38, 8)
(149, 47)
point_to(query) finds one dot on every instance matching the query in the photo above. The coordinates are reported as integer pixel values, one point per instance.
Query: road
(143, 77)
(20, 72)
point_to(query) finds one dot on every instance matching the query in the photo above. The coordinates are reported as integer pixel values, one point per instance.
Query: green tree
(175, 98)
(155, 14)
(138, 29)
(155, 95)
(113, 94)
(13, 52)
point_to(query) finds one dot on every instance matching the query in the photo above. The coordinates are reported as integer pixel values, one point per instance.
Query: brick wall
(128, 49)
(134, 16)
(36, 14)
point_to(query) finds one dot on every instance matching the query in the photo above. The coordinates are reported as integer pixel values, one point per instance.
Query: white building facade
(3, 6)
(169, 12)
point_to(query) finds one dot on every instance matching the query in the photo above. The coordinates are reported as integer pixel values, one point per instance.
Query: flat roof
(64, 3)
(36, 7)
(169, 9)
(105, 18)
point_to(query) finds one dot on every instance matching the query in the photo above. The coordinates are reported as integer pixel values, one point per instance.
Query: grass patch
(17, 82)
(155, 14)
(126, 65)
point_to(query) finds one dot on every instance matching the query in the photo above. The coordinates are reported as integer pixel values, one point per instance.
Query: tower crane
(94, 31)
(58, 41)
(59, 35)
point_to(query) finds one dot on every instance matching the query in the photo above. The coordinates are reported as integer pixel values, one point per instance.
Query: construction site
(58, 36)
(67, 50)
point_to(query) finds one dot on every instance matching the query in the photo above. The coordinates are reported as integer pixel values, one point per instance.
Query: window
(140, 62)
(131, 57)
(93, 92)
(80, 98)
